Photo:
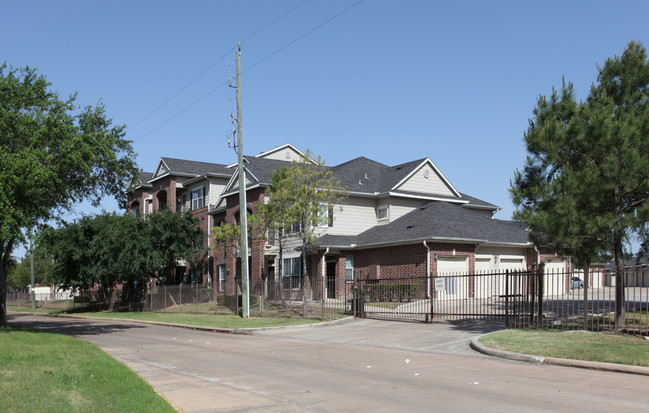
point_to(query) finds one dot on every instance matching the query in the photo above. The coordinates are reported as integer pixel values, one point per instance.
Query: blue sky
(390, 80)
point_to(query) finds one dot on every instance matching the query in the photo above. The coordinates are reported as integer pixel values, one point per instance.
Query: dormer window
(382, 212)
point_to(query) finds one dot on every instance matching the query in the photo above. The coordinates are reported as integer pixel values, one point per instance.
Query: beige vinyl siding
(426, 180)
(286, 154)
(358, 215)
(401, 206)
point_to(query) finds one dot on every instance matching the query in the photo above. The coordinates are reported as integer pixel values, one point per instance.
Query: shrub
(388, 292)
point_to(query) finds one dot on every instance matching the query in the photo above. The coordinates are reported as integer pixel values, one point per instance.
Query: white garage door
(454, 271)
(555, 279)
(511, 264)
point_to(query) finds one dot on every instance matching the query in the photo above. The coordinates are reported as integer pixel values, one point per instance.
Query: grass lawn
(578, 345)
(201, 315)
(209, 320)
(46, 372)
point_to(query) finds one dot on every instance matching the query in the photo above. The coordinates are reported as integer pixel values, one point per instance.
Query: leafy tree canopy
(112, 249)
(52, 155)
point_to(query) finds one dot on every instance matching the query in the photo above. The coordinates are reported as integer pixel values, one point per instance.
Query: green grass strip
(577, 345)
(46, 372)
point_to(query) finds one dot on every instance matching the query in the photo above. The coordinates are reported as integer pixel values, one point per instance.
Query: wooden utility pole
(243, 216)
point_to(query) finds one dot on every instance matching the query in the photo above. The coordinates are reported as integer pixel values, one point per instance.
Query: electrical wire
(211, 66)
(302, 36)
(247, 69)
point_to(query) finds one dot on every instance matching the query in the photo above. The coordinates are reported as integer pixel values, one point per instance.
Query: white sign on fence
(440, 284)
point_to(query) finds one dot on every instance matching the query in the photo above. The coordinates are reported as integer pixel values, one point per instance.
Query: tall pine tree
(584, 188)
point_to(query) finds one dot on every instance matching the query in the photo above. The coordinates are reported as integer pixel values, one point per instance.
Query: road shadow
(475, 325)
(69, 326)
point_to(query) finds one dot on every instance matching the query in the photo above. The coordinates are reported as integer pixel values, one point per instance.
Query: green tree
(584, 188)
(113, 249)
(306, 195)
(274, 214)
(52, 155)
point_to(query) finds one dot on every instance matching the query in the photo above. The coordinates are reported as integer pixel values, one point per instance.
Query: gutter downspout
(209, 267)
(538, 257)
(427, 269)
(324, 268)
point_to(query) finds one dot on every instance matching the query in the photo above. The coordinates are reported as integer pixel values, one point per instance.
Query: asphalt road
(358, 366)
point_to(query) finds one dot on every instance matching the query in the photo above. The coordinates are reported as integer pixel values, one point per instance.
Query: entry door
(331, 280)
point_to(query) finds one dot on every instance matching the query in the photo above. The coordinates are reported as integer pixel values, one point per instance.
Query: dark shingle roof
(367, 176)
(194, 167)
(144, 178)
(437, 220)
(262, 168)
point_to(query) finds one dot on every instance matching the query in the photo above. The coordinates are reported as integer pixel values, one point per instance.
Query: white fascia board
(436, 169)
(494, 208)
(194, 179)
(416, 241)
(236, 191)
(428, 198)
(183, 174)
(279, 148)
(235, 177)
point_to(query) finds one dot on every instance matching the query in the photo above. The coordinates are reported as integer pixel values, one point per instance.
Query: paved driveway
(363, 365)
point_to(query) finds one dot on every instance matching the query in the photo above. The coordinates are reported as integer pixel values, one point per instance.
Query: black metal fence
(272, 299)
(519, 298)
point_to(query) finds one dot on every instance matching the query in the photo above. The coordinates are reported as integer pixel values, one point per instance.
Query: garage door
(484, 280)
(555, 279)
(454, 271)
(511, 264)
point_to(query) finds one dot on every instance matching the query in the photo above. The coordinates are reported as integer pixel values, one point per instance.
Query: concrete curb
(592, 365)
(244, 331)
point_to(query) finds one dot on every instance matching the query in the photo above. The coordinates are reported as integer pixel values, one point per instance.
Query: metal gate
(511, 296)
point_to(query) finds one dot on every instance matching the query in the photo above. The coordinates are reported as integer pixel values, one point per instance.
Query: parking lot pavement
(443, 337)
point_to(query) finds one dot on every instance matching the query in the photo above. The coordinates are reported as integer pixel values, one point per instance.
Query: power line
(243, 71)
(181, 112)
(303, 36)
(207, 69)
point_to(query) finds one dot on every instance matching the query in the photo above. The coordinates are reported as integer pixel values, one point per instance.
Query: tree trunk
(8, 246)
(3, 296)
(305, 282)
(619, 284)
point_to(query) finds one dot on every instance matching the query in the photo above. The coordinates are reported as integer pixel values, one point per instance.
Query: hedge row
(388, 292)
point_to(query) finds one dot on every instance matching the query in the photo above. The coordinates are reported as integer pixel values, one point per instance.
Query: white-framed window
(198, 198)
(222, 273)
(292, 273)
(382, 212)
(349, 267)
(326, 215)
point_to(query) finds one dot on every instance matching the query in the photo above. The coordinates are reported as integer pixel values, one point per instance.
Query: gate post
(539, 274)
(506, 298)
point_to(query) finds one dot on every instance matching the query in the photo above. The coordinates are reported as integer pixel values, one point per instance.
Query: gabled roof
(284, 148)
(442, 221)
(144, 178)
(363, 175)
(183, 167)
